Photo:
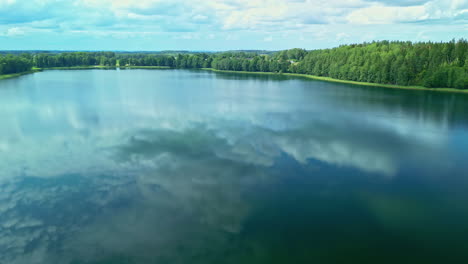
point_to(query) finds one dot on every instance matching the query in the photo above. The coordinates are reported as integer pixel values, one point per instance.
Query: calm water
(172, 166)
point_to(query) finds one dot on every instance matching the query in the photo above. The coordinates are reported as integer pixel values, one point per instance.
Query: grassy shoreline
(15, 75)
(78, 68)
(104, 67)
(319, 78)
(35, 69)
(328, 79)
(146, 67)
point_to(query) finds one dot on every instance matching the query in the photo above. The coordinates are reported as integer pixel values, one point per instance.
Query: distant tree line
(402, 63)
(426, 64)
(14, 64)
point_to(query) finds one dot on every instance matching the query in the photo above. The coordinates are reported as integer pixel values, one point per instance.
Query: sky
(215, 25)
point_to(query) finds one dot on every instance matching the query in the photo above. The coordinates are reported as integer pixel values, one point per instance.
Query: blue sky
(224, 25)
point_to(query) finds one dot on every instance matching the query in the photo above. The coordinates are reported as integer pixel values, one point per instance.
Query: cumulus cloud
(14, 32)
(420, 11)
(223, 25)
(386, 14)
(268, 39)
(156, 16)
(399, 2)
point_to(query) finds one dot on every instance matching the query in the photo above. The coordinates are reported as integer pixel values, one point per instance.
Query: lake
(178, 166)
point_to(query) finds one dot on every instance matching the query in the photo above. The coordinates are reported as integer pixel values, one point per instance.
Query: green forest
(428, 64)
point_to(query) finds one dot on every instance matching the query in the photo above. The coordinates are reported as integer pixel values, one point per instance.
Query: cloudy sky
(224, 24)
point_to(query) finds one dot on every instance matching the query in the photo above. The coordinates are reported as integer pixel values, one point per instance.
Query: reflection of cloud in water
(176, 183)
(340, 154)
(163, 181)
(189, 202)
(177, 193)
(353, 147)
(256, 139)
(192, 165)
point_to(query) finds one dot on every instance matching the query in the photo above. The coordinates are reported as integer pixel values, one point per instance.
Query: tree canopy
(428, 64)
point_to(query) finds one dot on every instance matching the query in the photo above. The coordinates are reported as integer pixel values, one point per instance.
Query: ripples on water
(142, 166)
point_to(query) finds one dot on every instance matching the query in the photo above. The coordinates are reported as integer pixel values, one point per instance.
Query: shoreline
(105, 67)
(34, 69)
(329, 79)
(15, 75)
(313, 77)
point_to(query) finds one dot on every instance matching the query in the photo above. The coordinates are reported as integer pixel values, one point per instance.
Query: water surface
(175, 166)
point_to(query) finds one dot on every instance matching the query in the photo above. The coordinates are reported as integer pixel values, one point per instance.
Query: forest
(428, 64)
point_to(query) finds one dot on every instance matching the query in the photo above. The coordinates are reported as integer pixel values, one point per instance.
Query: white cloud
(342, 36)
(147, 21)
(268, 39)
(388, 14)
(199, 17)
(189, 35)
(431, 10)
(15, 31)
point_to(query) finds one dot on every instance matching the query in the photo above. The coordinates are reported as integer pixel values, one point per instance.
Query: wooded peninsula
(426, 64)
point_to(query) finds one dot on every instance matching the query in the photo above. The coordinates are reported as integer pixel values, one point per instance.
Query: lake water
(175, 166)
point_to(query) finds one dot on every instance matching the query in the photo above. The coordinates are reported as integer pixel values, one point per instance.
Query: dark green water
(169, 166)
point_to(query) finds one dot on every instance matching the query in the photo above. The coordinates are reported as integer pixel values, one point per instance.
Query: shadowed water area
(175, 166)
